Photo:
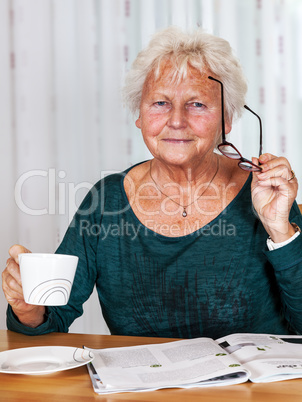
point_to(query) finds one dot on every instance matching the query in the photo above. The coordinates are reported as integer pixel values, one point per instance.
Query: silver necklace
(184, 212)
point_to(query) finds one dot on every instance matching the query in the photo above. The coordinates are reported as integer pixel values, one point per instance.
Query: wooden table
(75, 385)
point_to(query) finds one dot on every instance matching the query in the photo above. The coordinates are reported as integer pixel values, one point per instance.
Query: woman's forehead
(168, 75)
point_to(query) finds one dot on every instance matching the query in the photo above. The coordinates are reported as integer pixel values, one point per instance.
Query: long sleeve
(287, 263)
(75, 242)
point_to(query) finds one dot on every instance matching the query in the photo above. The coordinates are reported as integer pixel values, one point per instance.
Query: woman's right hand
(28, 314)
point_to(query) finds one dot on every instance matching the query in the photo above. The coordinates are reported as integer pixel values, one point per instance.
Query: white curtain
(63, 126)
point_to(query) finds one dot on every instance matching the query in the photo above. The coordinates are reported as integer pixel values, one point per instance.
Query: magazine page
(268, 357)
(174, 364)
(100, 388)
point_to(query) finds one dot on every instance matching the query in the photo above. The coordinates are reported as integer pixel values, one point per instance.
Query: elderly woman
(190, 243)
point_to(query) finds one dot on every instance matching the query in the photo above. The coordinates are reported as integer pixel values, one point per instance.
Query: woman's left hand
(273, 192)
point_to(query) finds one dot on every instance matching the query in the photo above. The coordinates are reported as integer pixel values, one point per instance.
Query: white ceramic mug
(47, 278)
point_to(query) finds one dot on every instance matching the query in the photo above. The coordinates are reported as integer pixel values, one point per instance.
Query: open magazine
(197, 362)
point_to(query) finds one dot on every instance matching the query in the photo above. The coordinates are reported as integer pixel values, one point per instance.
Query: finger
(255, 161)
(277, 182)
(266, 157)
(15, 250)
(13, 269)
(12, 289)
(269, 161)
(278, 171)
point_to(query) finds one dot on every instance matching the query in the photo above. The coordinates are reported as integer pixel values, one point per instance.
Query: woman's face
(181, 122)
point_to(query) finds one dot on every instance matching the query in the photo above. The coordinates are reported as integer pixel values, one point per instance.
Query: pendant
(184, 214)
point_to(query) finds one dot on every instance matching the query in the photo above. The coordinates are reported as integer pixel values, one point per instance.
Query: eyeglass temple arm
(222, 115)
(250, 110)
(222, 109)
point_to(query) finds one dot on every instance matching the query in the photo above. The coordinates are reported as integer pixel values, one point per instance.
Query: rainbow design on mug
(59, 288)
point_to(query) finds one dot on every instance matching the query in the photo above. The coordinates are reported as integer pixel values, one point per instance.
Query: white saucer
(43, 359)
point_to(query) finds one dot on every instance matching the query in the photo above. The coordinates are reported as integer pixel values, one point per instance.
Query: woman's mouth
(177, 140)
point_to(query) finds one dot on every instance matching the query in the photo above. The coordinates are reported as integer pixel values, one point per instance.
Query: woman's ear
(228, 127)
(138, 122)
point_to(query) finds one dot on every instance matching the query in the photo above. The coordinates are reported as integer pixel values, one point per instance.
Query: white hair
(197, 49)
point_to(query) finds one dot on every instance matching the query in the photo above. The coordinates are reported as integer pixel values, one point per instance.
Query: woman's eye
(161, 103)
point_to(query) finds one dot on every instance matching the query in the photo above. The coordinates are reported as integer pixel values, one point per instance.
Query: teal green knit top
(218, 280)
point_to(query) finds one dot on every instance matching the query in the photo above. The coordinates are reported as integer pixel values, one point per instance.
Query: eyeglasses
(228, 149)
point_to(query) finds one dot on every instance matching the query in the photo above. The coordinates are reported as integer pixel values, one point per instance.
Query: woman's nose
(177, 118)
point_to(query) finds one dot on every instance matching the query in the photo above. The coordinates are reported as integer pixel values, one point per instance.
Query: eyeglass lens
(229, 151)
(247, 165)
